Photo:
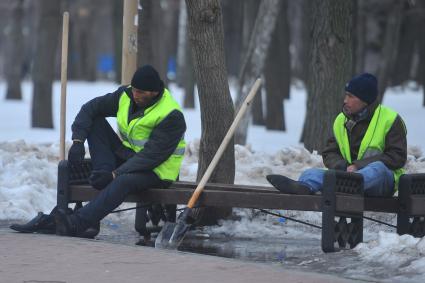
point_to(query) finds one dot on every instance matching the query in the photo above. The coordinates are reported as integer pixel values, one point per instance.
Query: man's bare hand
(352, 168)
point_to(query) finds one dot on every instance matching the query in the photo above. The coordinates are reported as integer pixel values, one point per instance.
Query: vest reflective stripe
(136, 133)
(139, 143)
(373, 142)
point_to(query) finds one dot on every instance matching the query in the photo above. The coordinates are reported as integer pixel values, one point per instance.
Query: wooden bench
(342, 198)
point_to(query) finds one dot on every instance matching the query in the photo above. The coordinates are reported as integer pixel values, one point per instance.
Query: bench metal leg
(408, 222)
(328, 213)
(141, 221)
(62, 187)
(349, 233)
(404, 193)
(342, 232)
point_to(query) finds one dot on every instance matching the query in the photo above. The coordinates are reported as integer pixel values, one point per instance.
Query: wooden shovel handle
(223, 145)
(64, 68)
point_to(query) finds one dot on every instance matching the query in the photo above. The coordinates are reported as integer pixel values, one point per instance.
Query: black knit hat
(147, 78)
(364, 86)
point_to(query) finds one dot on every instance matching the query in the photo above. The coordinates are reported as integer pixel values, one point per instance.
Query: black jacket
(162, 141)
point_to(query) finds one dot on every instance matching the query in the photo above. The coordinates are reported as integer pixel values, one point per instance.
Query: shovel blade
(172, 234)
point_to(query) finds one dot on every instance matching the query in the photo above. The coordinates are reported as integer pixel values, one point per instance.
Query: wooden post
(64, 73)
(129, 41)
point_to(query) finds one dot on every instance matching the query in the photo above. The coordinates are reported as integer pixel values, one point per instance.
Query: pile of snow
(403, 253)
(28, 177)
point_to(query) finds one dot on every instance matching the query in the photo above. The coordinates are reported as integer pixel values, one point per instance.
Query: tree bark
(390, 46)
(253, 64)
(407, 43)
(421, 47)
(157, 34)
(83, 40)
(146, 34)
(117, 15)
(189, 79)
(250, 11)
(14, 52)
(277, 72)
(182, 45)
(232, 24)
(49, 25)
(359, 36)
(205, 31)
(330, 69)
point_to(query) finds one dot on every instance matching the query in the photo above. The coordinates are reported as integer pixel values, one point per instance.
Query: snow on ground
(29, 158)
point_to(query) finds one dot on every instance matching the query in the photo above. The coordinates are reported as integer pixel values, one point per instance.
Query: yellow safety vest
(373, 142)
(136, 132)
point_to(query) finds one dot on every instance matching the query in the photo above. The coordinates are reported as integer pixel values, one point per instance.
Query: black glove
(99, 179)
(76, 152)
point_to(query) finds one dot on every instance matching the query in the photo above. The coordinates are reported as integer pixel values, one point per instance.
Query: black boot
(288, 186)
(90, 232)
(68, 224)
(42, 223)
(65, 224)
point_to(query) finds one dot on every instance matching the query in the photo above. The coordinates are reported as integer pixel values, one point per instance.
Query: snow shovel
(172, 234)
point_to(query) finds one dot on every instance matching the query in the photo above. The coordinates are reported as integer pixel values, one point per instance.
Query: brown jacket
(395, 152)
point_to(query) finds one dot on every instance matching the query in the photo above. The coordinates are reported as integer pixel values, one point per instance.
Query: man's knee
(124, 181)
(378, 166)
(311, 172)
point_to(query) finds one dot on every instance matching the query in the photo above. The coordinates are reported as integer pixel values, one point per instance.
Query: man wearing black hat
(148, 153)
(368, 138)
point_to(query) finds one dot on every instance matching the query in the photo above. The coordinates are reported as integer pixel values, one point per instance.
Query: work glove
(99, 179)
(76, 152)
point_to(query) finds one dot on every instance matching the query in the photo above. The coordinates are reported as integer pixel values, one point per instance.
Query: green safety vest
(136, 132)
(373, 142)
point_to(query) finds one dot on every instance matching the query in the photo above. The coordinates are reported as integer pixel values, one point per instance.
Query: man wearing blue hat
(368, 138)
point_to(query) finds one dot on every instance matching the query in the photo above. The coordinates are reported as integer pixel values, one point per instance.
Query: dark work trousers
(106, 152)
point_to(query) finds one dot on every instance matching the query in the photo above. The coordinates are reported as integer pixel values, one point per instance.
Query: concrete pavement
(49, 258)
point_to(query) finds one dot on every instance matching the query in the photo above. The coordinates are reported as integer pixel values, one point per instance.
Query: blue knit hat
(147, 78)
(364, 86)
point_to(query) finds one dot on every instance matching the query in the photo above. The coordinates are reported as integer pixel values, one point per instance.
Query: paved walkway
(48, 258)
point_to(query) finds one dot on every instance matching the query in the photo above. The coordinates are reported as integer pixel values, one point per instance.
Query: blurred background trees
(387, 38)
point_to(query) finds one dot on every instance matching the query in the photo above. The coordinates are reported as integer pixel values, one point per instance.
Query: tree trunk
(299, 19)
(359, 37)
(189, 79)
(83, 41)
(277, 72)
(232, 24)
(407, 43)
(390, 46)
(182, 45)
(205, 30)
(330, 69)
(421, 47)
(146, 33)
(117, 15)
(14, 52)
(253, 64)
(157, 34)
(250, 11)
(257, 109)
(49, 26)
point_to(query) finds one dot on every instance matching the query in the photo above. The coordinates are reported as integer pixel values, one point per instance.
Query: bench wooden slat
(249, 197)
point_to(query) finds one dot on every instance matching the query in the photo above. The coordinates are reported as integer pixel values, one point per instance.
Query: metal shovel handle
(223, 145)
